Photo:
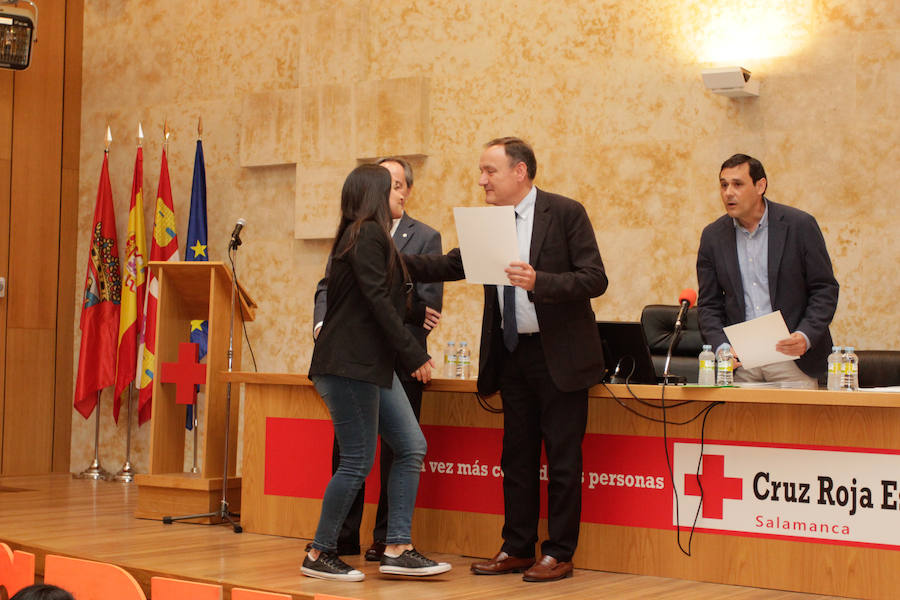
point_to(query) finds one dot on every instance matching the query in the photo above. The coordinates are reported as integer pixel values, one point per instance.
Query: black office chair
(658, 323)
(878, 368)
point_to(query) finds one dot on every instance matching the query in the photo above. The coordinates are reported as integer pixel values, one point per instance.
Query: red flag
(164, 246)
(100, 307)
(133, 286)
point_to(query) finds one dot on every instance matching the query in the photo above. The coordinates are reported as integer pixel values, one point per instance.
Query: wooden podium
(189, 291)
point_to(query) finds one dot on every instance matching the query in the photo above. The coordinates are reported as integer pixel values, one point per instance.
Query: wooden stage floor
(55, 514)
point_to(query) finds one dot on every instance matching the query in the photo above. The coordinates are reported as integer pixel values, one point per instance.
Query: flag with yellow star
(197, 250)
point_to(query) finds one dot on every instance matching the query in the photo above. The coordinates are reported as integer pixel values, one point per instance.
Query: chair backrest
(878, 368)
(658, 322)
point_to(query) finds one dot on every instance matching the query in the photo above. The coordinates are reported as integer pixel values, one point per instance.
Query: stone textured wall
(608, 93)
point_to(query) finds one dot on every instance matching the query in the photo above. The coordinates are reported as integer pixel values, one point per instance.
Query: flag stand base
(125, 474)
(94, 471)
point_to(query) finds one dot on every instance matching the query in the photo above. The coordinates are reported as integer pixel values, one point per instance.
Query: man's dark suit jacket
(801, 281)
(569, 273)
(411, 237)
(363, 332)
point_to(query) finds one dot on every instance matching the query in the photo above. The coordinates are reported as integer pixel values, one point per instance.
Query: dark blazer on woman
(363, 332)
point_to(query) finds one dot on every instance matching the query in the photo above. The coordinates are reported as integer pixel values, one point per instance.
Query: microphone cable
(487, 406)
(704, 412)
(243, 322)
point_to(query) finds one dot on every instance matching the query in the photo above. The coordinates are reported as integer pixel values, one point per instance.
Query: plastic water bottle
(835, 368)
(450, 361)
(707, 373)
(463, 361)
(850, 376)
(725, 366)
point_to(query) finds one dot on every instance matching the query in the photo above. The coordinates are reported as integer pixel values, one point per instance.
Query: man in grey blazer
(760, 257)
(411, 237)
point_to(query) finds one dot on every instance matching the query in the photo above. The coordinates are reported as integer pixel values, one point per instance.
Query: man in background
(760, 257)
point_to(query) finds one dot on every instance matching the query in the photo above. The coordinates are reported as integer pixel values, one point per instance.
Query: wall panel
(39, 108)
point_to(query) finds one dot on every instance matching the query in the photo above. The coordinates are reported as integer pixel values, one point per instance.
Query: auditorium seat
(658, 323)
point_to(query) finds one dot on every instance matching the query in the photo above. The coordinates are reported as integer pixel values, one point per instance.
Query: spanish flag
(133, 286)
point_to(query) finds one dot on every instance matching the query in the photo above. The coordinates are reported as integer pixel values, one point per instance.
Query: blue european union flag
(197, 250)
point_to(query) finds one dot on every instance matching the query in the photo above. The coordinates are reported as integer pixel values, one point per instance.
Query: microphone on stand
(236, 235)
(686, 299)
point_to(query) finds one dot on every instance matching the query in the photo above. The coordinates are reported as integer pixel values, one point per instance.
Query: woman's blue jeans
(360, 411)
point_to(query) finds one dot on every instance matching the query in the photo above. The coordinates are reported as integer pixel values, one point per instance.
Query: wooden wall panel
(36, 150)
(6, 113)
(40, 115)
(28, 432)
(68, 217)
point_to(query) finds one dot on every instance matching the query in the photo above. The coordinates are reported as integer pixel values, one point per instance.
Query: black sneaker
(330, 566)
(412, 563)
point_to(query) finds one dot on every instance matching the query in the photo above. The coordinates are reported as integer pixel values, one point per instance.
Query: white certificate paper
(754, 341)
(487, 242)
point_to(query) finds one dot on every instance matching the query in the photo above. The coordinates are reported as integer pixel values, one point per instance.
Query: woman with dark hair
(42, 591)
(353, 370)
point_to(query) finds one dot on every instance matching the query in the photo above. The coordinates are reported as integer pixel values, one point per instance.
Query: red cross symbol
(186, 374)
(716, 487)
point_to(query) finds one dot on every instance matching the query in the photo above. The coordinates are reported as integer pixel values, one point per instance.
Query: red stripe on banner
(624, 476)
(298, 459)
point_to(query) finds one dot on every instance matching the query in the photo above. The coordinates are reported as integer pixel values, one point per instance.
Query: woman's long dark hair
(364, 197)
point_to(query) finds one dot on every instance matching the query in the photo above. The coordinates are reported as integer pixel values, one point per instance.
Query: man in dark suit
(411, 237)
(760, 257)
(541, 349)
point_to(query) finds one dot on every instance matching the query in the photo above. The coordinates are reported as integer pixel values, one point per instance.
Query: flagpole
(195, 409)
(194, 467)
(95, 471)
(126, 473)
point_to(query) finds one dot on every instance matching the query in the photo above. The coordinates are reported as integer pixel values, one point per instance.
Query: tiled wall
(608, 92)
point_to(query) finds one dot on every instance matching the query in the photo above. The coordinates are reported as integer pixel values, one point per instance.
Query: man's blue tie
(510, 329)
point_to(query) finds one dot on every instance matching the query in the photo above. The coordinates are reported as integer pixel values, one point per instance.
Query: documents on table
(487, 242)
(754, 341)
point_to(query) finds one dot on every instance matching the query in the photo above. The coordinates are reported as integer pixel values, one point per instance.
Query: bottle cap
(707, 347)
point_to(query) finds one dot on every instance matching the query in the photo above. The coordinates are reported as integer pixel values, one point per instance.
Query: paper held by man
(754, 341)
(487, 242)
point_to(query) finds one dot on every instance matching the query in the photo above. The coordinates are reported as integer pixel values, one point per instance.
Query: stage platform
(55, 514)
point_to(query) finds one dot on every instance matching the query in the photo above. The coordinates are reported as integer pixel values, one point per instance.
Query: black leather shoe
(375, 551)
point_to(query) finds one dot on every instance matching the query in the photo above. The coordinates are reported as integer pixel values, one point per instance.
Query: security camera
(733, 82)
(17, 34)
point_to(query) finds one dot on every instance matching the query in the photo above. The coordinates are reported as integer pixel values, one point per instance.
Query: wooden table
(753, 417)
